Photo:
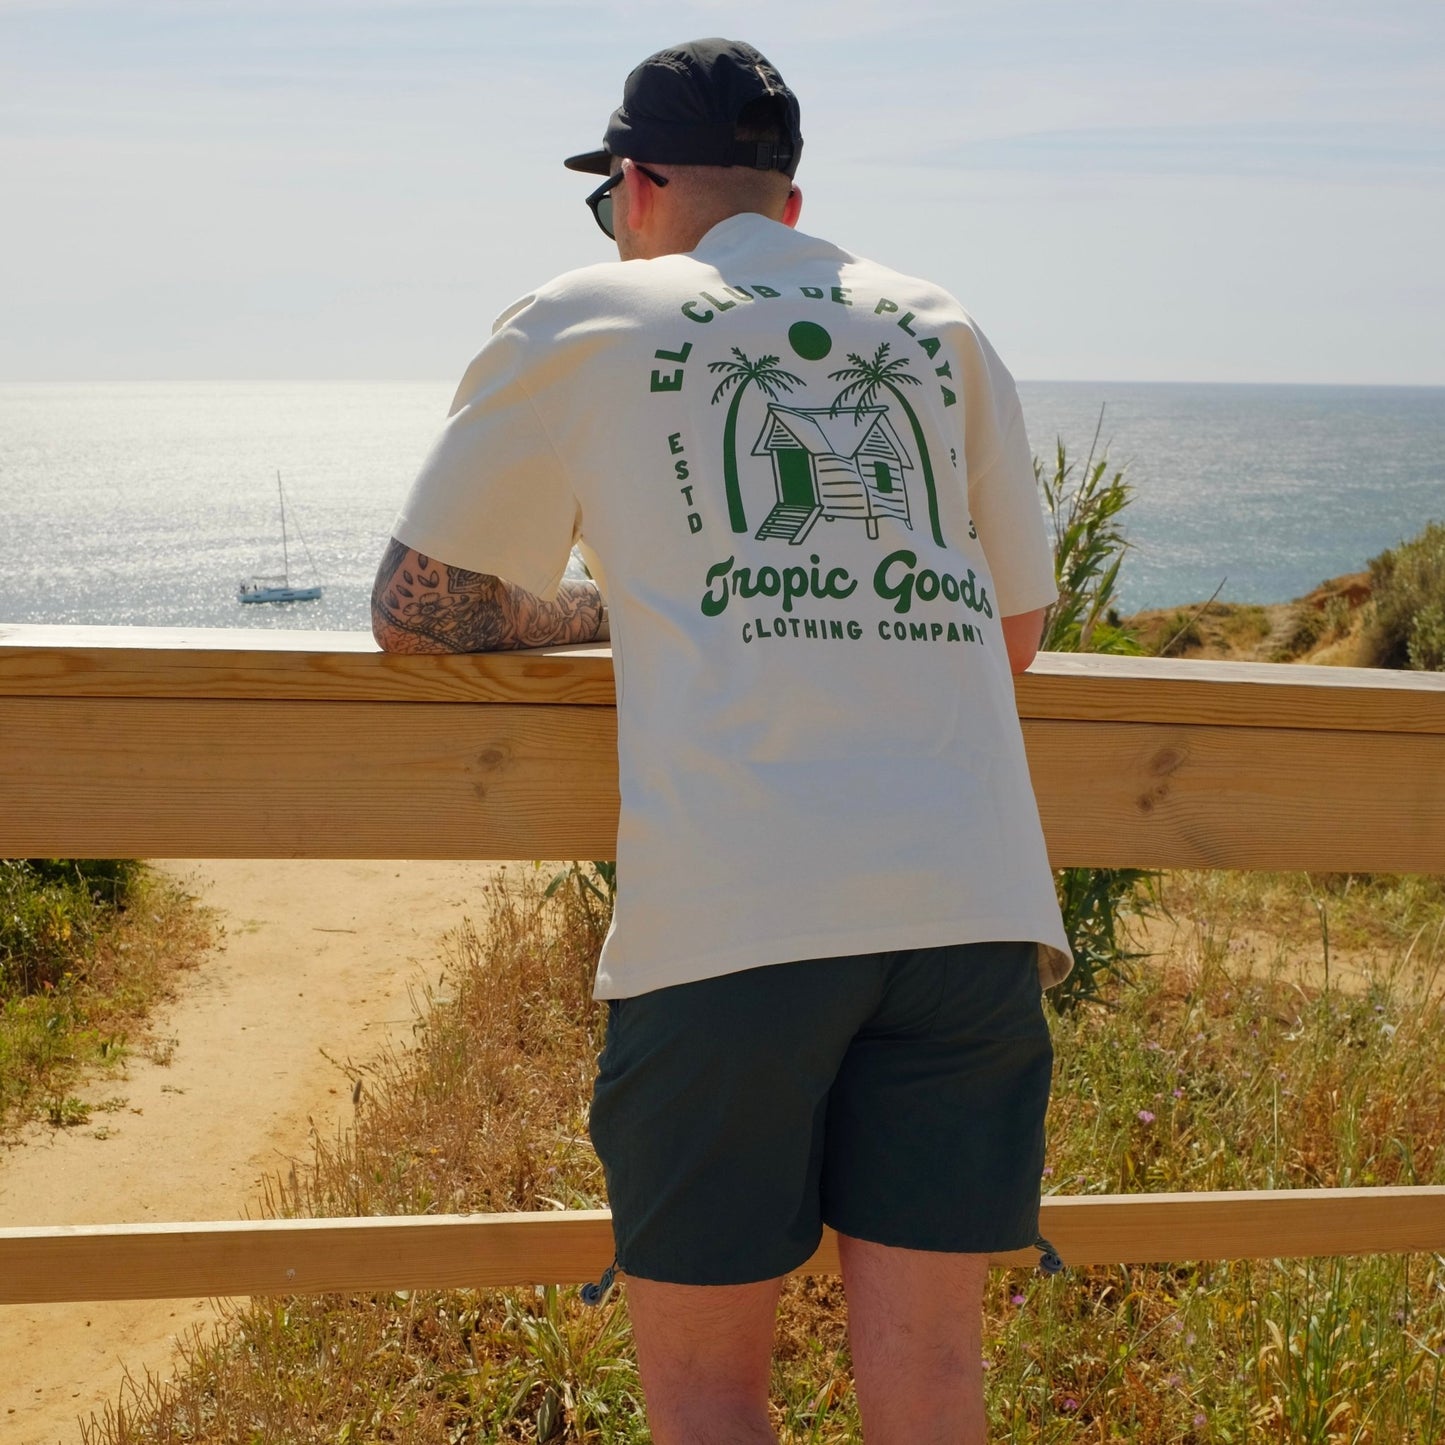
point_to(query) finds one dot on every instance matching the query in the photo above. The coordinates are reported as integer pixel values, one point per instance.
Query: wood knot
(1166, 761)
(490, 759)
(1151, 799)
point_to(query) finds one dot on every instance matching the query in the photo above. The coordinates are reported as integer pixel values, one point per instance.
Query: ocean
(145, 503)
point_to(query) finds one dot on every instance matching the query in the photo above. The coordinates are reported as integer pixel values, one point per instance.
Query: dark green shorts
(898, 1097)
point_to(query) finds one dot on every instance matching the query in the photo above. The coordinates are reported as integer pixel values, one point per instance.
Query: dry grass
(487, 1110)
(1235, 631)
(1313, 930)
(1326, 626)
(1207, 1074)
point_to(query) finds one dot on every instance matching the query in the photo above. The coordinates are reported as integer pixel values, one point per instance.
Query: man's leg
(705, 1356)
(935, 1141)
(915, 1325)
(709, 1116)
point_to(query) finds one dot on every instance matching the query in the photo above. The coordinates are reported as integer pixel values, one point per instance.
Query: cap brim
(595, 163)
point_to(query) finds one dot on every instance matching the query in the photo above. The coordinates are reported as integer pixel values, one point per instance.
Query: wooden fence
(120, 742)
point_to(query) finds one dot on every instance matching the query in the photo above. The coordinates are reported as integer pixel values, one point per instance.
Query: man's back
(808, 553)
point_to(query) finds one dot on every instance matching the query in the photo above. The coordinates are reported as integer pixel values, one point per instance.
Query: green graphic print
(864, 380)
(832, 464)
(765, 374)
(843, 460)
(847, 459)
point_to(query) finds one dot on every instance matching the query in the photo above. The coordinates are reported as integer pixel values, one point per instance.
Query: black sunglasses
(600, 201)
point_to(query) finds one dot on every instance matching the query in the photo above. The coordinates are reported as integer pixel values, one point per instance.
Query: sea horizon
(144, 502)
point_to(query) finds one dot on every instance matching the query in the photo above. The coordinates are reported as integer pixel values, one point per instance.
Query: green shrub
(49, 908)
(1408, 625)
(1427, 641)
(1093, 902)
(1336, 617)
(85, 949)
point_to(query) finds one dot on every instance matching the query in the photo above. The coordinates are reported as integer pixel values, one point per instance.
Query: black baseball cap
(682, 105)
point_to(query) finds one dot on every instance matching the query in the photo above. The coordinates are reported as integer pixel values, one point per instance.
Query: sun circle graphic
(809, 340)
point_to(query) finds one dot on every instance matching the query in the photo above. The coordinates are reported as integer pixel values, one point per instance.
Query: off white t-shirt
(807, 483)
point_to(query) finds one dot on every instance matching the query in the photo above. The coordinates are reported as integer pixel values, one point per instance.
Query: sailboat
(279, 588)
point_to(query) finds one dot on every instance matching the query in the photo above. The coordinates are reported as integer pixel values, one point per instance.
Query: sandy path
(316, 955)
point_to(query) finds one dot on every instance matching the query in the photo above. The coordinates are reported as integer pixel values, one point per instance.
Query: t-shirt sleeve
(493, 495)
(1003, 494)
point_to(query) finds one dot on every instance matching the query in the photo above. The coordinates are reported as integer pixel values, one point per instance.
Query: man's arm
(1021, 634)
(421, 605)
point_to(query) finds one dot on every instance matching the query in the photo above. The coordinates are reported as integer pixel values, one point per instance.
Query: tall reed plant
(1085, 507)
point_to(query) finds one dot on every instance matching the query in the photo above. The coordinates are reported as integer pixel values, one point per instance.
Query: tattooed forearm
(421, 605)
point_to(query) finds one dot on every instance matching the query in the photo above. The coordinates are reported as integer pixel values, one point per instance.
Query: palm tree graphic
(766, 375)
(865, 378)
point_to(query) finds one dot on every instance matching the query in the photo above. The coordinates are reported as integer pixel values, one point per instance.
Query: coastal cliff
(1326, 627)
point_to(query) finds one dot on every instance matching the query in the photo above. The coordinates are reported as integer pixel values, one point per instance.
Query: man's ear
(793, 207)
(640, 196)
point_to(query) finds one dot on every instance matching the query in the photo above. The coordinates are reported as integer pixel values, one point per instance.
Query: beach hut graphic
(832, 464)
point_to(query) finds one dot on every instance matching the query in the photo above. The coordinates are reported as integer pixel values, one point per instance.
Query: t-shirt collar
(732, 229)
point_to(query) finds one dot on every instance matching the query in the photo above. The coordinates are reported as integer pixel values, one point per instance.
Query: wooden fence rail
(146, 743)
(313, 1256)
(118, 742)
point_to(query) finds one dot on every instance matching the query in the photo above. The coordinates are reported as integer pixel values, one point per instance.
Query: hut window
(882, 476)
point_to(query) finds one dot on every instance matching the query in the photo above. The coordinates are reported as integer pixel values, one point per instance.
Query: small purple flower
(1146, 1116)
(1070, 1404)
(1017, 1299)
(1200, 1419)
(1048, 1171)
(1179, 1093)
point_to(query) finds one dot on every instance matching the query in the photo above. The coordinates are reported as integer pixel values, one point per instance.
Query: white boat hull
(251, 592)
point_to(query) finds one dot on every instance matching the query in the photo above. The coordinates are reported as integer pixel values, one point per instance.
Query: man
(804, 486)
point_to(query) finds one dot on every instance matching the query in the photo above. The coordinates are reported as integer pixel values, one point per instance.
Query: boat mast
(285, 554)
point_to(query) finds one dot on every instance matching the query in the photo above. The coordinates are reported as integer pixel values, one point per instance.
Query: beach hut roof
(824, 432)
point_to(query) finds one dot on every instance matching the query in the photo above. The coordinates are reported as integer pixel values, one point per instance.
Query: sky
(1147, 190)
